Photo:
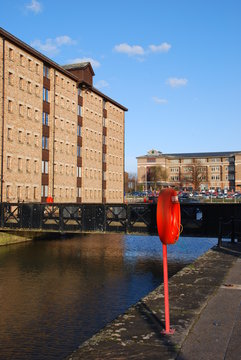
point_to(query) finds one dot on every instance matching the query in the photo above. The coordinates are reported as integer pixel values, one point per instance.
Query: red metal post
(167, 331)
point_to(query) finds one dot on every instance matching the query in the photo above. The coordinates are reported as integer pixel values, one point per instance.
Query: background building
(198, 171)
(60, 136)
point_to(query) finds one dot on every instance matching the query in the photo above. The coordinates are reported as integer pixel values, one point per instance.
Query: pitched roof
(195, 155)
(79, 66)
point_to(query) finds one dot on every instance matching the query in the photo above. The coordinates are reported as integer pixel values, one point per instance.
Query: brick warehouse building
(60, 136)
(199, 171)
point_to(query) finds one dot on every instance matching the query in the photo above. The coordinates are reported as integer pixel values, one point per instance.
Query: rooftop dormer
(83, 71)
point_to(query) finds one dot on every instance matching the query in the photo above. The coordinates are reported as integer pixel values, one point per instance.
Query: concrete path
(217, 332)
(205, 311)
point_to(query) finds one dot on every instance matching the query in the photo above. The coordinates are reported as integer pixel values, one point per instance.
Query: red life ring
(168, 216)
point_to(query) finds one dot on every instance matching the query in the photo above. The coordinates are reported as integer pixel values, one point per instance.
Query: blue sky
(175, 64)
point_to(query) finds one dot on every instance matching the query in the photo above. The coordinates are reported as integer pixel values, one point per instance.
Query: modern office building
(199, 171)
(60, 136)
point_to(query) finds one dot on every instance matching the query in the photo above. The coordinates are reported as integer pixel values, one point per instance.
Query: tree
(194, 177)
(157, 174)
(130, 182)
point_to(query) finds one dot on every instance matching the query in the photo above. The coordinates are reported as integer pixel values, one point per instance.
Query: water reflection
(55, 294)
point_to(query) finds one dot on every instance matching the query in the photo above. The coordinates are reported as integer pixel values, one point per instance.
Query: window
(78, 150)
(79, 110)
(28, 112)
(45, 94)
(36, 166)
(10, 106)
(10, 134)
(29, 64)
(9, 162)
(36, 114)
(28, 138)
(10, 78)
(46, 71)
(45, 167)
(21, 60)
(10, 54)
(8, 192)
(20, 164)
(79, 130)
(45, 143)
(28, 165)
(19, 192)
(29, 87)
(44, 190)
(21, 83)
(79, 91)
(45, 118)
(20, 136)
(37, 69)
(36, 140)
(20, 109)
(37, 90)
(78, 192)
(35, 192)
(78, 171)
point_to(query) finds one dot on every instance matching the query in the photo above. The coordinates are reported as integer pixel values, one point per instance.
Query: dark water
(56, 294)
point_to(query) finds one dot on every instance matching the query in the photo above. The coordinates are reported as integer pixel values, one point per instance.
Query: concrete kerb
(137, 333)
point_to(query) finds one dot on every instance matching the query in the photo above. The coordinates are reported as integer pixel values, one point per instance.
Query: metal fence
(197, 219)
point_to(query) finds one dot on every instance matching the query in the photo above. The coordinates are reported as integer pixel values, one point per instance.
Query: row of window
(22, 164)
(24, 110)
(191, 161)
(23, 136)
(67, 104)
(24, 85)
(66, 84)
(66, 125)
(66, 169)
(22, 192)
(24, 61)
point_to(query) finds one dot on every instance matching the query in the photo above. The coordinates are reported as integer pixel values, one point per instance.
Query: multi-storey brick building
(59, 137)
(199, 171)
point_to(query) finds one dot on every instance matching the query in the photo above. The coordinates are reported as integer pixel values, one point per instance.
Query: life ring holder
(168, 216)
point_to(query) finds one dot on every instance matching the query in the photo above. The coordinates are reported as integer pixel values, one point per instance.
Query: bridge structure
(198, 219)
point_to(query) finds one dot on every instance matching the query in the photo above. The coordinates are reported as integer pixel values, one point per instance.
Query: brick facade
(62, 137)
(221, 170)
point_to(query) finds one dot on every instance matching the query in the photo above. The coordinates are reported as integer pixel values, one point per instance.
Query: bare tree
(194, 177)
(157, 174)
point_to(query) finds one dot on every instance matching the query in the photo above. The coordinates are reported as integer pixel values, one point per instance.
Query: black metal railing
(230, 229)
(197, 219)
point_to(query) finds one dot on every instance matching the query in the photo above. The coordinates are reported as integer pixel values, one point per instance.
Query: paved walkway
(205, 311)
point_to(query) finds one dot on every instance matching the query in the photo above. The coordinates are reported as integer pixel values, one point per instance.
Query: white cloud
(164, 47)
(175, 82)
(101, 84)
(64, 40)
(93, 62)
(51, 47)
(129, 49)
(159, 100)
(34, 6)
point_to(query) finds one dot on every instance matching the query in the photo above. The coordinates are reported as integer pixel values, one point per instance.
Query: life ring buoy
(168, 216)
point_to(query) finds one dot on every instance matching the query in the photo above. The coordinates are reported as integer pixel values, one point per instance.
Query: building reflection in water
(56, 294)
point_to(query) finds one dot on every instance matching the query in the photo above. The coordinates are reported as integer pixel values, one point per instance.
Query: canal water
(56, 294)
